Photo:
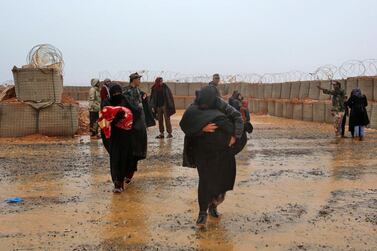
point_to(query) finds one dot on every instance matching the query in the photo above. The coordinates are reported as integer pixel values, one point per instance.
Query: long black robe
(358, 113)
(121, 147)
(210, 152)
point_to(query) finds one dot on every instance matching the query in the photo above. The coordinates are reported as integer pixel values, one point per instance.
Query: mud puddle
(297, 188)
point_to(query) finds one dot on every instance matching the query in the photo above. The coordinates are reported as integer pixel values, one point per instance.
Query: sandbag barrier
(18, 119)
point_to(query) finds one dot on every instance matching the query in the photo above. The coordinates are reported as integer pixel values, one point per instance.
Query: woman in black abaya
(211, 145)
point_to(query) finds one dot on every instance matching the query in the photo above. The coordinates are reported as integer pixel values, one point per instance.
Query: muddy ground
(297, 188)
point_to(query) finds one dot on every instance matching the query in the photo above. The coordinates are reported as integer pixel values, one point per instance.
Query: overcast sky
(188, 36)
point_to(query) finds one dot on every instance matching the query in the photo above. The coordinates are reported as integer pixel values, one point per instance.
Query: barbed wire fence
(350, 68)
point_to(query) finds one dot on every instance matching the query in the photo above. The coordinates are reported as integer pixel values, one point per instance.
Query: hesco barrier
(319, 112)
(267, 91)
(33, 84)
(58, 120)
(274, 99)
(295, 90)
(297, 111)
(263, 106)
(304, 89)
(279, 108)
(17, 120)
(307, 112)
(373, 117)
(271, 107)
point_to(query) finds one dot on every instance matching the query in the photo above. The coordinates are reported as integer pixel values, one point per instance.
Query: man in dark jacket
(162, 104)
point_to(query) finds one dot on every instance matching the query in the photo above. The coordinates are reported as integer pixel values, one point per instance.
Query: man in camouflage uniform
(215, 83)
(338, 108)
(94, 106)
(135, 96)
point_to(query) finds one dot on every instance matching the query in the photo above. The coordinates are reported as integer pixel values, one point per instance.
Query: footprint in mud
(268, 175)
(356, 205)
(125, 243)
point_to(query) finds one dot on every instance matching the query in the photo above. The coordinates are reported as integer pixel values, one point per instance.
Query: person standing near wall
(215, 83)
(162, 103)
(338, 107)
(94, 106)
(358, 115)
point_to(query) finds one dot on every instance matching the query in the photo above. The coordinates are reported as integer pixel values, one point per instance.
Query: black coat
(358, 113)
(168, 99)
(138, 136)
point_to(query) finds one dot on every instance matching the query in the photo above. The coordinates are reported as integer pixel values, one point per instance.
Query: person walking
(358, 114)
(338, 108)
(123, 161)
(211, 142)
(162, 103)
(94, 106)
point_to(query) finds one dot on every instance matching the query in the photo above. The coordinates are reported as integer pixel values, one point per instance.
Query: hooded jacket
(94, 96)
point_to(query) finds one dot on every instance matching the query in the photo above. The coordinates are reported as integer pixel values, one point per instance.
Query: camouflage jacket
(338, 99)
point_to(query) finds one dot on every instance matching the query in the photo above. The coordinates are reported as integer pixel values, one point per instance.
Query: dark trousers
(344, 124)
(93, 117)
(161, 114)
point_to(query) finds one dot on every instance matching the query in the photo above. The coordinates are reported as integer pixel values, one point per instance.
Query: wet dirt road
(297, 188)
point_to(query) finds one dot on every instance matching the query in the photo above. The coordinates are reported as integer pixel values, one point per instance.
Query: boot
(212, 210)
(202, 219)
(170, 136)
(161, 136)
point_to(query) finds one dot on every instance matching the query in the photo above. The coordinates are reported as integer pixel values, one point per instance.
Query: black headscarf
(207, 98)
(115, 99)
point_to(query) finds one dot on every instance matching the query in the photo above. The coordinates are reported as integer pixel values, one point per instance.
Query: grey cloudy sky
(188, 36)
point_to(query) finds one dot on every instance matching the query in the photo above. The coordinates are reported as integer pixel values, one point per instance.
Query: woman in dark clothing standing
(123, 163)
(358, 114)
(162, 103)
(211, 148)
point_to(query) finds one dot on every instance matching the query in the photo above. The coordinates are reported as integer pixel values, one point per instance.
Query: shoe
(161, 136)
(117, 190)
(202, 219)
(169, 136)
(212, 210)
(127, 181)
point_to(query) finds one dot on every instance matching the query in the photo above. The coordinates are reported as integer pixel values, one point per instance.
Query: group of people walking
(354, 107)
(215, 132)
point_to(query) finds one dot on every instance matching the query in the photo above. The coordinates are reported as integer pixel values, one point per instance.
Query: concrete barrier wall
(271, 108)
(307, 112)
(319, 112)
(297, 111)
(285, 90)
(274, 99)
(373, 117)
(366, 86)
(304, 89)
(295, 90)
(267, 91)
(276, 91)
